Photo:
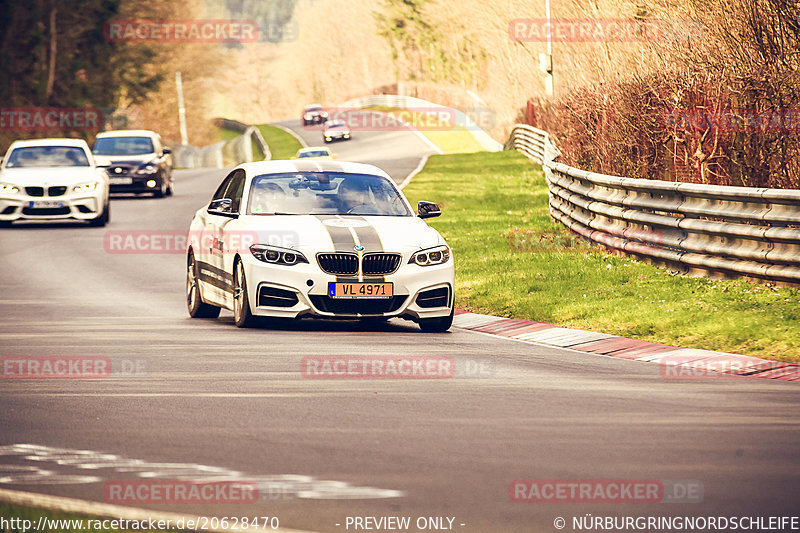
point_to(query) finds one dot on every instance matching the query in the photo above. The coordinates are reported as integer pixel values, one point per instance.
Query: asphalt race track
(201, 399)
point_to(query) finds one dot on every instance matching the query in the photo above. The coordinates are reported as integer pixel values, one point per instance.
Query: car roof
(127, 133)
(313, 149)
(293, 165)
(55, 141)
(312, 106)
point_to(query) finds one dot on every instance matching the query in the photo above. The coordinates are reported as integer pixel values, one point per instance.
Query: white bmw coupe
(321, 239)
(49, 179)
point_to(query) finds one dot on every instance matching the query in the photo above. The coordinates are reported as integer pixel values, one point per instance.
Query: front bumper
(138, 184)
(336, 137)
(79, 206)
(302, 290)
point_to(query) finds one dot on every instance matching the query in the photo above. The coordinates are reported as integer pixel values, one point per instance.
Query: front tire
(104, 218)
(194, 300)
(242, 316)
(162, 189)
(437, 325)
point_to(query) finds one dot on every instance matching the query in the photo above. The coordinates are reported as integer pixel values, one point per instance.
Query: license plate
(120, 181)
(45, 204)
(360, 290)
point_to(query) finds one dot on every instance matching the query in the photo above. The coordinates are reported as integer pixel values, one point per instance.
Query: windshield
(123, 146)
(47, 156)
(314, 153)
(325, 193)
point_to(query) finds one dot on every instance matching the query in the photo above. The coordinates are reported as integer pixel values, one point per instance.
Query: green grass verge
(283, 145)
(450, 139)
(513, 261)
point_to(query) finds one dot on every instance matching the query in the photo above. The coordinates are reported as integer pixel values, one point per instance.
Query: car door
(202, 235)
(217, 236)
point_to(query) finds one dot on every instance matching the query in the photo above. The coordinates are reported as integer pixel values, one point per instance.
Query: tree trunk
(51, 70)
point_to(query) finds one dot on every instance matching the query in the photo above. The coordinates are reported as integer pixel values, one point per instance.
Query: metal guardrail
(533, 142)
(423, 106)
(710, 229)
(236, 151)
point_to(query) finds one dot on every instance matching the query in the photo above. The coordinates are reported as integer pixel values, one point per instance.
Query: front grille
(355, 306)
(272, 297)
(339, 264)
(34, 191)
(346, 264)
(45, 211)
(434, 298)
(378, 264)
(56, 191)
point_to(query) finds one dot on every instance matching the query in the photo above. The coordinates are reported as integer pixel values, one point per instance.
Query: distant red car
(314, 114)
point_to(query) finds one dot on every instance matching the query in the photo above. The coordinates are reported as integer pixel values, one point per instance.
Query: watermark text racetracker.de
(587, 30)
(396, 367)
(180, 492)
(605, 491)
(689, 367)
(69, 367)
(31, 119)
(177, 241)
(423, 118)
(198, 31)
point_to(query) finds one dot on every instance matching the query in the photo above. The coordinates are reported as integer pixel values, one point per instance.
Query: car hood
(326, 233)
(48, 176)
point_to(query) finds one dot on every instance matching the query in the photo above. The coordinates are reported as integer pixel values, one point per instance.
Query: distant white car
(317, 238)
(335, 130)
(49, 179)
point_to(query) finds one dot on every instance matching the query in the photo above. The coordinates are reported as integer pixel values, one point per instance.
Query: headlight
(7, 188)
(307, 117)
(149, 168)
(277, 256)
(431, 256)
(324, 113)
(85, 187)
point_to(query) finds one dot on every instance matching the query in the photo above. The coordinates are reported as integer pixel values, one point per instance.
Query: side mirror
(427, 209)
(223, 207)
(101, 162)
(166, 151)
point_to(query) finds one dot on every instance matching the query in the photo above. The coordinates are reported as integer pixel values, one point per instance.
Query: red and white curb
(613, 346)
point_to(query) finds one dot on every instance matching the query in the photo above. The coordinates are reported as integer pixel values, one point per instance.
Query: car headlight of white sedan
(8, 188)
(277, 256)
(85, 187)
(431, 256)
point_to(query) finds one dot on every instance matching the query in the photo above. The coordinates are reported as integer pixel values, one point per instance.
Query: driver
(266, 197)
(352, 193)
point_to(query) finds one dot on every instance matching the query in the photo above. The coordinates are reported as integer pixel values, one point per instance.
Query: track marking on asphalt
(270, 487)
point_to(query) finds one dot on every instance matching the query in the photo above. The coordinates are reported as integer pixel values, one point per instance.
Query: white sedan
(46, 179)
(321, 239)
